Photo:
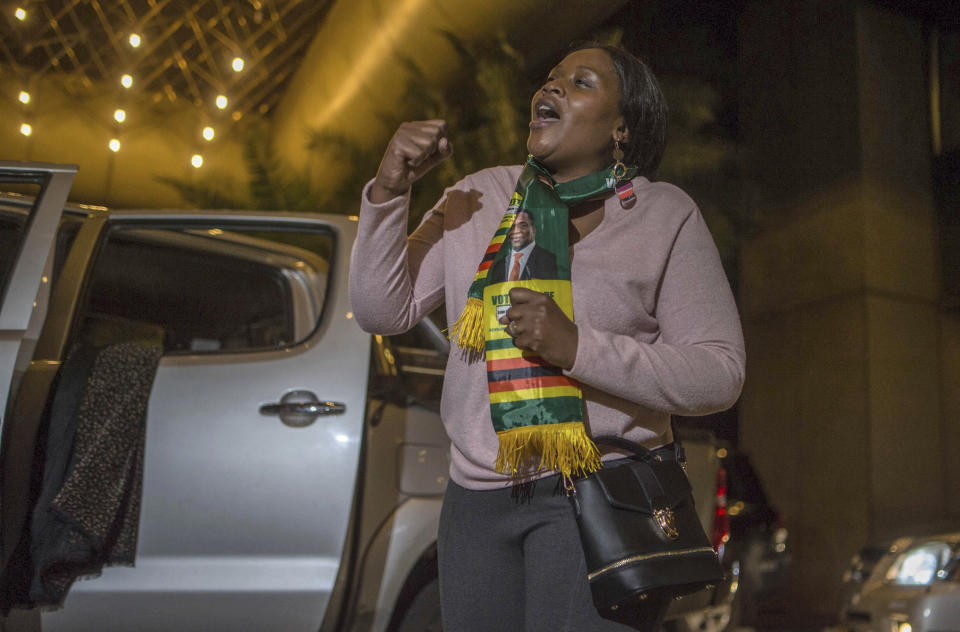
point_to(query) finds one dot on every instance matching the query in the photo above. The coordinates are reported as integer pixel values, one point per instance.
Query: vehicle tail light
(780, 534)
(721, 521)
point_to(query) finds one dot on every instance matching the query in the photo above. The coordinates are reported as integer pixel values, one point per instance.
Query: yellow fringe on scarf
(563, 447)
(468, 330)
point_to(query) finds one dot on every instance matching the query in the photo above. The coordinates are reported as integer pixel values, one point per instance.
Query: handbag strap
(639, 450)
(625, 444)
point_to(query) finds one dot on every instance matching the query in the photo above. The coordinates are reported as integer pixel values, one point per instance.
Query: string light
(135, 40)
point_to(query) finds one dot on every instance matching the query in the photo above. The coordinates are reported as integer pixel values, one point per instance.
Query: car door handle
(322, 408)
(301, 408)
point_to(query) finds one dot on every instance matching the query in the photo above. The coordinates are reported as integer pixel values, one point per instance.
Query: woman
(655, 330)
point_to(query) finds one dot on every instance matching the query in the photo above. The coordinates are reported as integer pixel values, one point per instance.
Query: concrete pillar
(843, 410)
(950, 368)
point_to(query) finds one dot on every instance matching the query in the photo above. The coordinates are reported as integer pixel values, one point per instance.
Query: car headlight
(918, 566)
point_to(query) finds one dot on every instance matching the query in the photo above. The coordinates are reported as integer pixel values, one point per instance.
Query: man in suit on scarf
(526, 260)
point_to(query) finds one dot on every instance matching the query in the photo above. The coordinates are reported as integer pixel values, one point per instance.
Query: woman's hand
(538, 324)
(416, 148)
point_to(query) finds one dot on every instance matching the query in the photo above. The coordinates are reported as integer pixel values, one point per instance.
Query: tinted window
(421, 360)
(14, 218)
(207, 289)
(411, 365)
(13, 225)
(66, 234)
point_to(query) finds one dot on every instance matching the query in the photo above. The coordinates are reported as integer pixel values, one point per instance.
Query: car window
(207, 288)
(66, 234)
(15, 214)
(411, 364)
(13, 226)
(421, 361)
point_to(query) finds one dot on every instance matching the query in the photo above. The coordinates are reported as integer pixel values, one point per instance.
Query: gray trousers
(511, 561)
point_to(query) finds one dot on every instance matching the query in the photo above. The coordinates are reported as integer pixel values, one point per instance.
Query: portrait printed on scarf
(525, 260)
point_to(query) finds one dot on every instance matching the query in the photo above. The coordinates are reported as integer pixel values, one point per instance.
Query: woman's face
(576, 115)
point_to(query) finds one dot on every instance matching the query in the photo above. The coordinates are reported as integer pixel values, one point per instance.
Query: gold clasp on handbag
(668, 522)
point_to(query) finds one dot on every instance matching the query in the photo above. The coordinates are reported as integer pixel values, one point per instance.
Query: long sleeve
(395, 280)
(659, 331)
(695, 365)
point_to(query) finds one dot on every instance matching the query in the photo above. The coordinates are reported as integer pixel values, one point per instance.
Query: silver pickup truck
(292, 465)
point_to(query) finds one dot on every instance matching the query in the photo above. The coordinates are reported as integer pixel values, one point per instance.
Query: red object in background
(721, 521)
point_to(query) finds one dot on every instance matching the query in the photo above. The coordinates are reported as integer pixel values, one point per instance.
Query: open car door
(32, 197)
(27, 231)
(254, 424)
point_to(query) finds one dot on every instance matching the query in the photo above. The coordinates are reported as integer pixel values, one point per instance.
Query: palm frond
(201, 195)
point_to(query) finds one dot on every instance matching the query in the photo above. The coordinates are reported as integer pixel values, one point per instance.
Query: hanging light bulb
(237, 64)
(196, 161)
(114, 145)
(126, 81)
(134, 40)
(222, 102)
(25, 129)
(208, 133)
(24, 97)
(120, 115)
(20, 14)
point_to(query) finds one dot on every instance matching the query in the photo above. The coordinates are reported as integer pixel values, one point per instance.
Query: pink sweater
(658, 328)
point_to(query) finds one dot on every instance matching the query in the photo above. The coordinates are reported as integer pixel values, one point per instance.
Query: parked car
(861, 567)
(289, 483)
(760, 534)
(717, 609)
(913, 587)
(293, 465)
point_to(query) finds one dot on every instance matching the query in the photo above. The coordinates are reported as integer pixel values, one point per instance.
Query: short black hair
(642, 106)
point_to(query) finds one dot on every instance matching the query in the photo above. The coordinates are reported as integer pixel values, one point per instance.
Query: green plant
(486, 106)
(705, 161)
(268, 185)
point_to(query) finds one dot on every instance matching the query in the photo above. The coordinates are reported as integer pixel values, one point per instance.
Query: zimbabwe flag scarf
(537, 411)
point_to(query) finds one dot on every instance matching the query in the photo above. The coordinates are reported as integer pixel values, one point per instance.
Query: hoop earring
(624, 191)
(619, 169)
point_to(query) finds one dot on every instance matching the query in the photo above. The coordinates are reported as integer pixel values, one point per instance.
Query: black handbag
(640, 531)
